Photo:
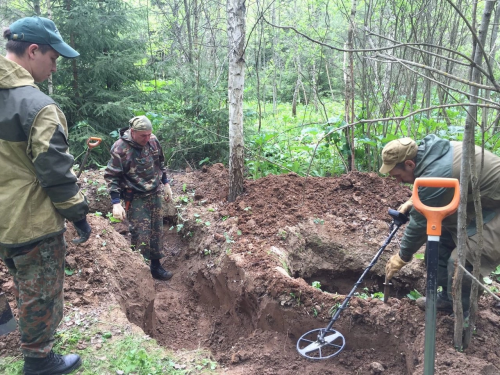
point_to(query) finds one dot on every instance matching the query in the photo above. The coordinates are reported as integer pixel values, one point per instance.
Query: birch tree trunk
(236, 32)
(349, 84)
(296, 92)
(275, 59)
(468, 155)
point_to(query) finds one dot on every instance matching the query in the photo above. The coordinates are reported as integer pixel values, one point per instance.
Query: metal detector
(323, 343)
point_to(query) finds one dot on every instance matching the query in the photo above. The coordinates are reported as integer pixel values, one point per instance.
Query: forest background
(327, 82)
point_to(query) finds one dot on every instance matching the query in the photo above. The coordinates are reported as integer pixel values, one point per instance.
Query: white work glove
(168, 192)
(406, 206)
(119, 212)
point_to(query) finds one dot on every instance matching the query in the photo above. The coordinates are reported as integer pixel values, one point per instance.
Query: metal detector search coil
(323, 343)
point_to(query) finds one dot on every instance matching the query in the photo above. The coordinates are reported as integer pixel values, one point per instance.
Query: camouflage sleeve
(114, 172)
(414, 237)
(49, 150)
(164, 178)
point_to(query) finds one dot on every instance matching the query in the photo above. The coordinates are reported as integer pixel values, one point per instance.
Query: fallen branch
(479, 283)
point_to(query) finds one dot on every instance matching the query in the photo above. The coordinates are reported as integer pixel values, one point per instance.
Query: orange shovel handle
(435, 215)
(93, 144)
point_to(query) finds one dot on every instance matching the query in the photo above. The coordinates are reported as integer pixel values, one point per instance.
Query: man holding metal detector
(136, 173)
(404, 160)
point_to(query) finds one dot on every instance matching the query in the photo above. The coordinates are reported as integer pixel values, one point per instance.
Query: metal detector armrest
(398, 217)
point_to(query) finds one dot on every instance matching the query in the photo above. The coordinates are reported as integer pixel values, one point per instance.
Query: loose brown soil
(243, 273)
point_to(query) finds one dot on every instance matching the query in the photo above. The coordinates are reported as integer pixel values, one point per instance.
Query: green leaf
(414, 295)
(68, 271)
(378, 295)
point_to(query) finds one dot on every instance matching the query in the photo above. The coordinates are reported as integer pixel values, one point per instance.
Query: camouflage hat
(140, 123)
(397, 151)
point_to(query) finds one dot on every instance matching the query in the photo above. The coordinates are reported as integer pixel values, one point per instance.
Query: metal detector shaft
(399, 219)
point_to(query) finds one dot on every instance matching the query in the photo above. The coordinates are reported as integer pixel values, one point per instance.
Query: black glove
(83, 229)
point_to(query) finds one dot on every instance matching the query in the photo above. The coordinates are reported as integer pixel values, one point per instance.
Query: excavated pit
(344, 283)
(222, 309)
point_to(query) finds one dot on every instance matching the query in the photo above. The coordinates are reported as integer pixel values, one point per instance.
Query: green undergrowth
(118, 351)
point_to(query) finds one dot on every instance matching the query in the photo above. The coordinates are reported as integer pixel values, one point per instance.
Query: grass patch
(106, 349)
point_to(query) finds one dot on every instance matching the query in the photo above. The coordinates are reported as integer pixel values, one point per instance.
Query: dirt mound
(243, 273)
(102, 269)
(278, 201)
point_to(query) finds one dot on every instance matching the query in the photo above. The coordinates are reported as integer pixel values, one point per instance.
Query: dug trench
(244, 273)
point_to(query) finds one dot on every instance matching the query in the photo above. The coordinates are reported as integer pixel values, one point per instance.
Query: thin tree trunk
(236, 31)
(493, 51)
(349, 84)
(296, 91)
(74, 68)
(314, 86)
(329, 80)
(151, 48)
(49, 81)
(36, 6)
(257, 67)
(275, 59)
(465, 176)
(189, 32)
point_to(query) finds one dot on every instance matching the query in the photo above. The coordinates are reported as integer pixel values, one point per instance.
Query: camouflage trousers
(146, 225)
(38, 271)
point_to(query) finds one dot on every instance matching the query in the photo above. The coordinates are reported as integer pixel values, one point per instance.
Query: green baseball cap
(39, 30)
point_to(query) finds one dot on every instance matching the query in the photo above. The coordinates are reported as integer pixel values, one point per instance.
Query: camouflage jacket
(135, 167)
(38, 188)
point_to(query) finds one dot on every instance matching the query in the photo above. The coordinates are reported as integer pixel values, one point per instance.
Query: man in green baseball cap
(38, 190)
(40, 30)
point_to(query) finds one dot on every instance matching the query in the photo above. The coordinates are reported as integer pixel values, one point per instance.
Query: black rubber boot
(158, 272)
(53, 364)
